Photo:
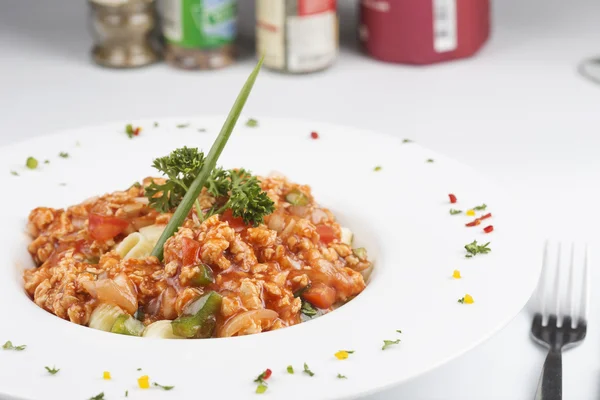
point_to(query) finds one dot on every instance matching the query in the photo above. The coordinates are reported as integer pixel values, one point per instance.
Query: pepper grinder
(124, 33)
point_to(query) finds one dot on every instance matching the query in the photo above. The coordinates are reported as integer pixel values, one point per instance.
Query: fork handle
(550, 385)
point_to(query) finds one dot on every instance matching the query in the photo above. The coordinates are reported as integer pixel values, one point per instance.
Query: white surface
(518, 112)
(410, 288)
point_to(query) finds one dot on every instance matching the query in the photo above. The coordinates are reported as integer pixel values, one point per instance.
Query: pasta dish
(252, 255)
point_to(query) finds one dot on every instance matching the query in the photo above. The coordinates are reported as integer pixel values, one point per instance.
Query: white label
(270, 38)
(444, 25)
(312, 41)
(170, 11)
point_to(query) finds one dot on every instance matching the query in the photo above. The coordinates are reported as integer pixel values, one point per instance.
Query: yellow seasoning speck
(106, 375)
(341, 355)
(470, 213)
(144, 382)
(468, 299)
(456, 274)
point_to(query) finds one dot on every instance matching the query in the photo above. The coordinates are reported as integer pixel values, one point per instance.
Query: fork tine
(571, 289)
(557, 285)
(542, 290)
(585, 292)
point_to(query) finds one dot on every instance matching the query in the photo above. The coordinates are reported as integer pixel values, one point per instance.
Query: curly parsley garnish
(9, 346)
(181, 126)
(388, 343)
(162, 387)
(473, 249)
(340, 376)
(407, 141)
(15, 173)
(252, 123)
(429, 160)
(308, 371)
(239, 190)
(53, 370)
(398, 330)
(454, 212)
(63, 154)
(377, 168)
(290, 369)
(181, 168)
(99, 396)
(480, 208)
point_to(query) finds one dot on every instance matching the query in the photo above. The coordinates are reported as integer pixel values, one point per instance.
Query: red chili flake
(474, 223)
(488, 229)
(314, 135)
(137, 131)
(452, 198)
(486, 216)
(267, 374)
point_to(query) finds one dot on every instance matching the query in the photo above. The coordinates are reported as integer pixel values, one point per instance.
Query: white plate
(400, 213)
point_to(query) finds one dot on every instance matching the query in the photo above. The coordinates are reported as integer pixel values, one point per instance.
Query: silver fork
(554, 328)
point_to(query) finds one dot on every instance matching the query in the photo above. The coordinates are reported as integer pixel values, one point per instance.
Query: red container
(423, 31)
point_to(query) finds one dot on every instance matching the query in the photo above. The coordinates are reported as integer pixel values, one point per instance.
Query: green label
(206, 23)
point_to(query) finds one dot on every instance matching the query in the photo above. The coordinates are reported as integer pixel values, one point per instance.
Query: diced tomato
(476, 222)
(236, 223)
(189, 250)
(452, 198)
(326, 233)
(488, 229)
(267, 374)
(320, 295)
(104, 228)
(486, 216)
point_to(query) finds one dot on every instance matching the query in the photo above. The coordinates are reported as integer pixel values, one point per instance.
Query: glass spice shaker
(123, 32)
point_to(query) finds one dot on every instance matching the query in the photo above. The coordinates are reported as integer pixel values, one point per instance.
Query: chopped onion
(118, 291)
(294, 263)
(247, 319)
(289, 228)
(299, 211)
(276, 222)
(78, 223)
(142, 200)
(317, 216)
(347, 236)
(167, 303)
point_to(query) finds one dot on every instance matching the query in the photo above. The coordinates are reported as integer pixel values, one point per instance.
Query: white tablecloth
(518, 111)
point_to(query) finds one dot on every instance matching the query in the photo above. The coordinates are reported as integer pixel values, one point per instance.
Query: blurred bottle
(297, 36)
(199, 34)
(123, 33)
(423, 31)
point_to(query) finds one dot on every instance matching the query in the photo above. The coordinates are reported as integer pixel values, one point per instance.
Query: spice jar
(199, 34)
(423, 31)
(297, 36)
(123, 32)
